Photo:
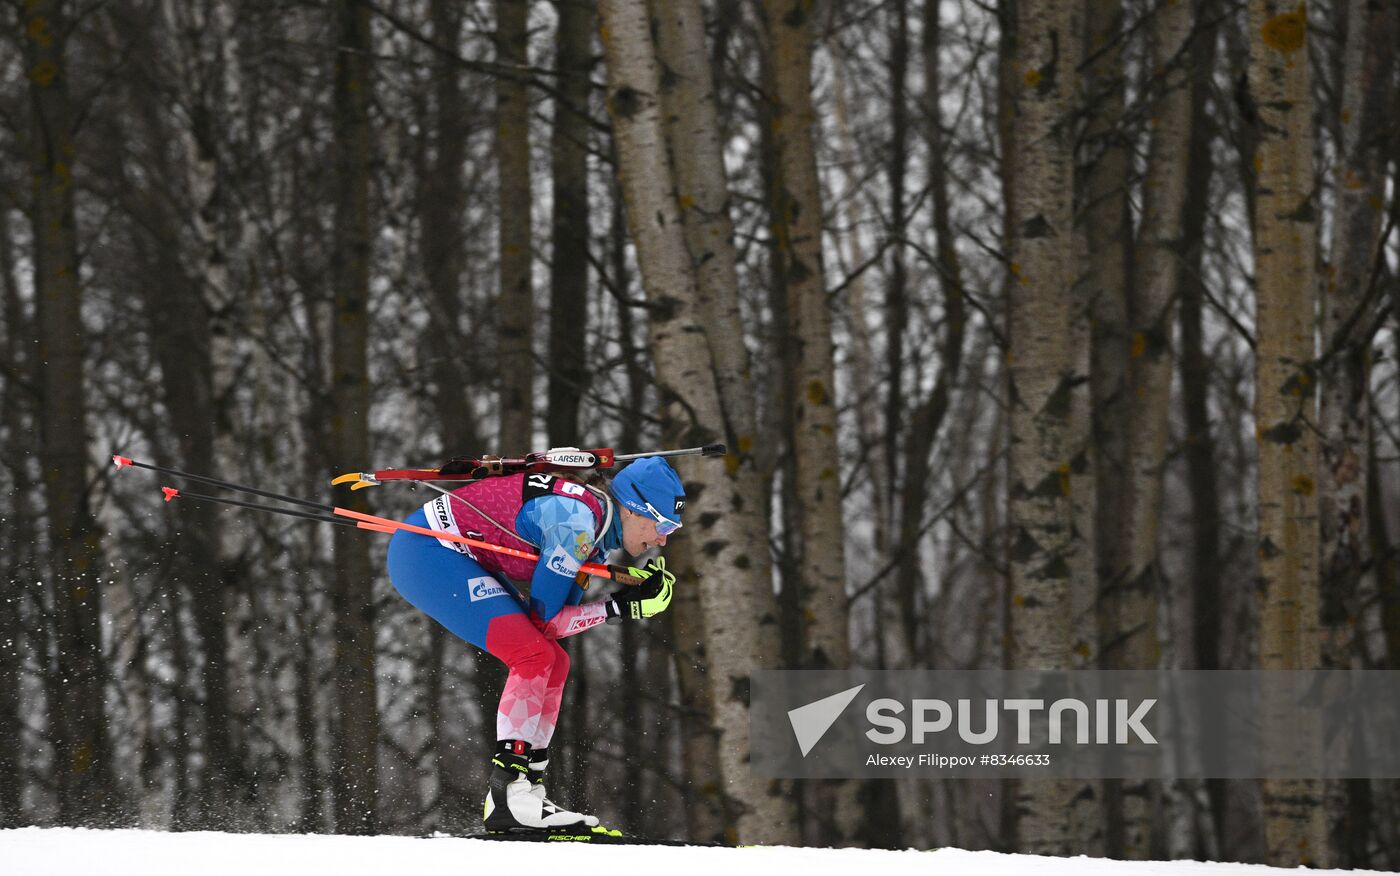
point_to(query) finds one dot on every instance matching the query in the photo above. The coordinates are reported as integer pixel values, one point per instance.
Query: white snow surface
(69, 852)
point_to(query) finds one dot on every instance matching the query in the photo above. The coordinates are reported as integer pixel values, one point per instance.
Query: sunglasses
(664, 525)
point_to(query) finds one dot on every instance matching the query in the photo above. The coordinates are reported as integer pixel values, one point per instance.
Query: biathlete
(473, 595)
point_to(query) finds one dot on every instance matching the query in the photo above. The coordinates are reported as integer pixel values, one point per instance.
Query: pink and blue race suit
(472, 592)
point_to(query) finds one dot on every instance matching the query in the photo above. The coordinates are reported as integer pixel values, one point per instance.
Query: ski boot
(539, 762)
(516, 804)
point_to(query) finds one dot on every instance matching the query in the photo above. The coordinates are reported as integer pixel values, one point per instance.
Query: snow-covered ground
(50, 852)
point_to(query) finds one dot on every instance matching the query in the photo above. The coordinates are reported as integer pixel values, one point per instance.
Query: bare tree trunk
(1041, 372)
(775, 454)
(1284, 248)
(692, 132)
(193, 317)
(702, 190)
(568, 268)
(896, 288)
(1387, 562)
(864, 374)
(356, 725)
(516, 312)
(452, 361)
(704, 801)
(1106, 238)
(1195, 373)
(16, 447)
(797, 221)
(311, 780)
(1368, 58)
(685, 374)
(1130, 604)
(692, 128)
(1107, 231)
(927, 420)
(797, 224)
(568, 317)
(441, 201)
(180, 335)
(87, 788)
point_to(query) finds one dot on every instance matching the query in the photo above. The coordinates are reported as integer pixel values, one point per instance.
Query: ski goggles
(664, 525)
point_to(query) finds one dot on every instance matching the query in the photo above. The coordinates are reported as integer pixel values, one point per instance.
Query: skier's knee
(535, 659)
(561, 665)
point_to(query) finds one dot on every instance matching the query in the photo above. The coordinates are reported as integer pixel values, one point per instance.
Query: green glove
(647, 599)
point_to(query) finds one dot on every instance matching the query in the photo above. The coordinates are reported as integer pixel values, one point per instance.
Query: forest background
(1043, 333)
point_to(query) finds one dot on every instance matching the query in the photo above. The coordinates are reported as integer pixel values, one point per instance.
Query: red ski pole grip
(170, 493)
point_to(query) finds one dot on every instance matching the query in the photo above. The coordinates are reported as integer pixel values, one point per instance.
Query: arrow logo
(810, 722)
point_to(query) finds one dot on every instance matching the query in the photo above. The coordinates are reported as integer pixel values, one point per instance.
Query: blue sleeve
(563, 528)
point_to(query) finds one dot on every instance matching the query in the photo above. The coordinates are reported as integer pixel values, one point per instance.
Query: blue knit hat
(651, 481)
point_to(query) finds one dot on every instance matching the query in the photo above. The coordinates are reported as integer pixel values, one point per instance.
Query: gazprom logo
(561, 562)
(485, 588)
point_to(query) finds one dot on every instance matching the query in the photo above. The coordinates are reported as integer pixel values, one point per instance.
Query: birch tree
(1368, 58)
(692, 410)
(693, 129)
(1284, 248)
(693, 135)
(796, 210)
(797, 218)
(1105, 239)
(1041, 372)
(1130, 604)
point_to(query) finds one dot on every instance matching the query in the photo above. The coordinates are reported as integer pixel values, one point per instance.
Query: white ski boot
(539, 762)
(514, 803)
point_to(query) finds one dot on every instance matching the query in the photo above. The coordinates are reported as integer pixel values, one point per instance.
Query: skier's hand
(647, 599)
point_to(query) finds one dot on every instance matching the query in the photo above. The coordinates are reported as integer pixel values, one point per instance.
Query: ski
(596, 836)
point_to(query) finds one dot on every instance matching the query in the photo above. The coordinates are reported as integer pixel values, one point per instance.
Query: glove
(647, 599)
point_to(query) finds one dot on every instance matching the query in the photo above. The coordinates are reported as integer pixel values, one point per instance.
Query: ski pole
(171, 493)
(123, 462)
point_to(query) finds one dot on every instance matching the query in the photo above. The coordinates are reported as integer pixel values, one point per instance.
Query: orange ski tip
(121, 461)
(170, 493)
